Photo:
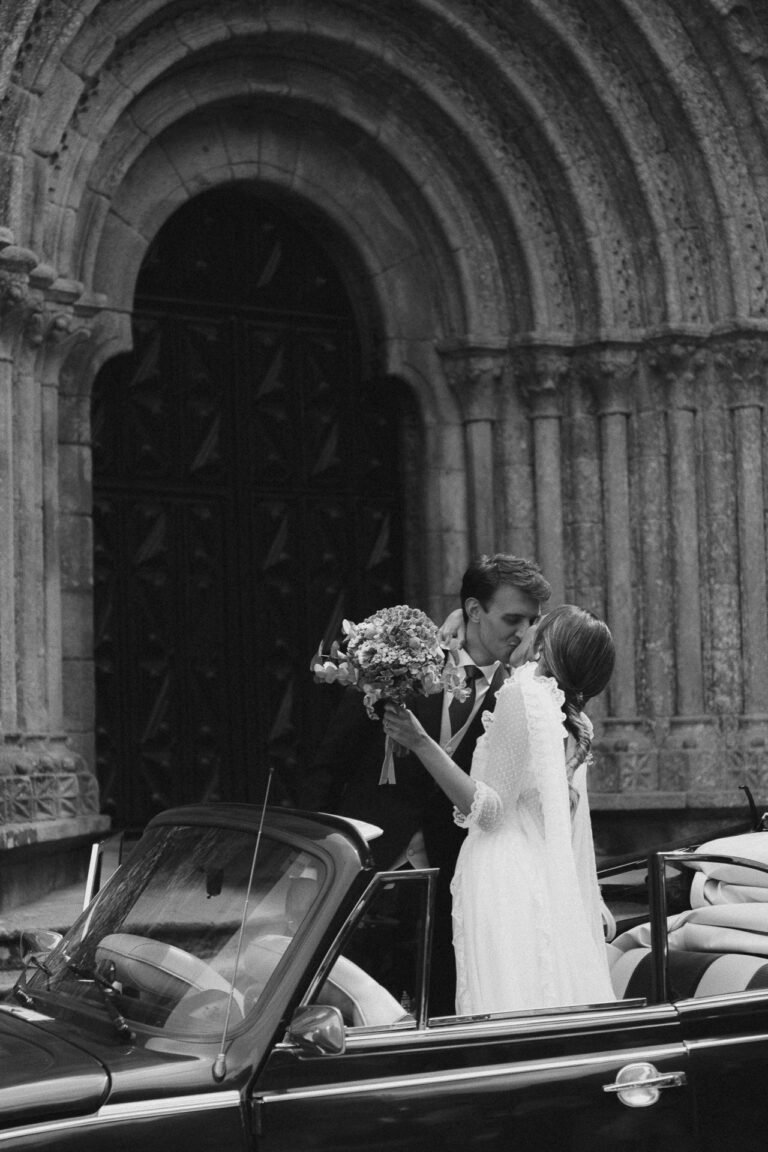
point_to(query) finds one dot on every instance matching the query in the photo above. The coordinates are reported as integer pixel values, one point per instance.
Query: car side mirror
(38, 942)
(318, 1028)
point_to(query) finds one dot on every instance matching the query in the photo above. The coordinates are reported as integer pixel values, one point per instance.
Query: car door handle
(638, 1085)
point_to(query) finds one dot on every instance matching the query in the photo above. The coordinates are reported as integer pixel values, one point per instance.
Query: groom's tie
(459, 711)
(498, 678)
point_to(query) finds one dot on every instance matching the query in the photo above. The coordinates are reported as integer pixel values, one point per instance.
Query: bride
(527, 927)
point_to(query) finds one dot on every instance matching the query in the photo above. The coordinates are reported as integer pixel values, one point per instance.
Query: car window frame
(492, 1023)
(657, 886)
(377, 883)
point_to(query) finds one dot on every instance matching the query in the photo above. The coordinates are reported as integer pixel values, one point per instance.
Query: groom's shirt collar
(462, 658)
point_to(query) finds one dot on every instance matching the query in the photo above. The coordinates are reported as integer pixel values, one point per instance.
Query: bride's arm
(508, 757)
(402, 726)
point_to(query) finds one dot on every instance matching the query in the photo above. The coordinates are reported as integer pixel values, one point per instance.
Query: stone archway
(554, 214)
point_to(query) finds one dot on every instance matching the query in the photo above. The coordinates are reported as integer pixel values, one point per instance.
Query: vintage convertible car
(247, 980)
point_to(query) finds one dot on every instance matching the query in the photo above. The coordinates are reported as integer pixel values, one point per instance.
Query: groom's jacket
(343, 777)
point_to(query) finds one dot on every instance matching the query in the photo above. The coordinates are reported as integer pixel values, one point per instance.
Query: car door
(716, 952)
(529, 1082)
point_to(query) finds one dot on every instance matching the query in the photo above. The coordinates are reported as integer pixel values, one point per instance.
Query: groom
(501, 596)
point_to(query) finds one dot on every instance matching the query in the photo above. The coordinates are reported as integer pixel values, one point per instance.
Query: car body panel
(231, 1074)
(206, 1122)
(509, 1082)
(727, 1039)
(43, 1073)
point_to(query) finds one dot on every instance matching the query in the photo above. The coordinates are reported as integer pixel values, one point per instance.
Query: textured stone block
(74, 478)
(79, 703)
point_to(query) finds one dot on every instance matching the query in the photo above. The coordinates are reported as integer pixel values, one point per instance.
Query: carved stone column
(689, 757)
(474, 374)
(44, 784)
(28, 497)
(15, 266)
(627, 758)
(61, 332)
(611, 374)
(746, 364)
(94, 335)
(540, 372)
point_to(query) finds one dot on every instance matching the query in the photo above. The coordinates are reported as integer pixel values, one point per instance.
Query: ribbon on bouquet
(391, 749)
(388, 764)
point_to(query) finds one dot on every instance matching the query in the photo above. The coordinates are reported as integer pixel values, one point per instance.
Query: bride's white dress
(526, 905)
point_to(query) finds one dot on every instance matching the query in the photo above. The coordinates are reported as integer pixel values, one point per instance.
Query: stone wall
(552, 218)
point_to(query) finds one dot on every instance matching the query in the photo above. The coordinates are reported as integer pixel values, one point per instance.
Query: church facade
(547, 221)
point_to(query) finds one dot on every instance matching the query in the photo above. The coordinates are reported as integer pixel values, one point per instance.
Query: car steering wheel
(158, 969)
(206, 1010)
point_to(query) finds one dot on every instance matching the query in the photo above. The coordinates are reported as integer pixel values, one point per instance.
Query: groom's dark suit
(344, 778)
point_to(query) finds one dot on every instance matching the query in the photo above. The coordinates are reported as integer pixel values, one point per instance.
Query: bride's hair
(577, 649)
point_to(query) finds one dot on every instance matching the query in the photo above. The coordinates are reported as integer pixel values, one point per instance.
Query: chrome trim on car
(23, 1013)
(735, 997)
(726, 1041)
(430, 1080)
(120, 1113)
(393, 1036)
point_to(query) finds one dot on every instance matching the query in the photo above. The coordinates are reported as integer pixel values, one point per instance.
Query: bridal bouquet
(391, 655)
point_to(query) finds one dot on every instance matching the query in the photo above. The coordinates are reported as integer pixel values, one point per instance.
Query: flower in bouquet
(391, 655)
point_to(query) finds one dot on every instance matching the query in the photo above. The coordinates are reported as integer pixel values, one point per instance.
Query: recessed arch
(586, 217)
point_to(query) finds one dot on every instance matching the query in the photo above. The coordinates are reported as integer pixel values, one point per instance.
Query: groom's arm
(352, 743)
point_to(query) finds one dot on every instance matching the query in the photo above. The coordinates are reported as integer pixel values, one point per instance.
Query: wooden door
(246, 498)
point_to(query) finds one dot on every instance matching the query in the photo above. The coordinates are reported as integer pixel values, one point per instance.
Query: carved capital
(13, 293)
(15, 267)
(42, 324)
(741, 363)
(539, 373)
(610, 373)
(678, 365)
(473, 373)
(34, 323)
(62, 332)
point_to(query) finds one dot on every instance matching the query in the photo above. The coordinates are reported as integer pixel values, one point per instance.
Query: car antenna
(220, 1063)
(757, 821)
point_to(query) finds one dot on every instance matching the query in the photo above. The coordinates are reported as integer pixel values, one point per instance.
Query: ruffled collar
(527, 674)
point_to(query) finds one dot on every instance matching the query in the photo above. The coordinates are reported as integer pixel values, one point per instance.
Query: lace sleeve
(486, 810)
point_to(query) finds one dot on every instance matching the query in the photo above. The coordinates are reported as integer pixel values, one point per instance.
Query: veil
(525, 766)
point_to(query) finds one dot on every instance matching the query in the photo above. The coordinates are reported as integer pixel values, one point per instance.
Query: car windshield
(161, 945)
